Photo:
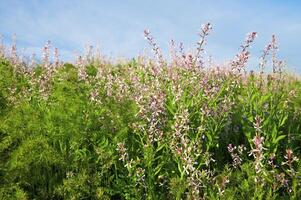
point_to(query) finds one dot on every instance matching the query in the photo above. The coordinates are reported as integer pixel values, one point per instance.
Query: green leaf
(281, 137)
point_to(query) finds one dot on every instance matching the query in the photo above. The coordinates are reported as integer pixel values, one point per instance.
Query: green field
(149, 128)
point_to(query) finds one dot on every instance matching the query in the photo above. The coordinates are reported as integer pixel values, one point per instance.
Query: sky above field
(117, 26)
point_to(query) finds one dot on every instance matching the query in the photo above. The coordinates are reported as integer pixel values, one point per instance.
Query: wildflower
(140, 174)
(234, 155)
(88, 53)
(272, 161)
(32, 61)
(82, 74)
(46, 54)
(257, 124)
(292, 94)
(203, 34)
(282, 180)
(242, 58)
(250, 38)
(122, 152)
(94, 95)
(154, 45)
(290, 158)
(13, 52)
(56, 57)
(257, 152)
(270, 46)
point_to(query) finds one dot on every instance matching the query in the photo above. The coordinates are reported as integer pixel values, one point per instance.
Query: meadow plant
(184, 128)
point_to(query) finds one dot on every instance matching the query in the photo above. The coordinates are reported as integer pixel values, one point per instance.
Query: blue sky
(117, 26)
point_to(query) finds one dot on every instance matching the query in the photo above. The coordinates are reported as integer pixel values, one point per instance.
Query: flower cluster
(236, 153)
(122, 152)
(242, 57)
(290, 158)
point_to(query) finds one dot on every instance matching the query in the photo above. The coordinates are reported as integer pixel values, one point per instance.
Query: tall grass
(149, 128)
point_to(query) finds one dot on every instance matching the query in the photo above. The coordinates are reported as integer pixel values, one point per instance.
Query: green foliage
(125, 132)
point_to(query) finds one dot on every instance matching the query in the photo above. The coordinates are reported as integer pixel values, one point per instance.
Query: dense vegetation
(148, 128)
